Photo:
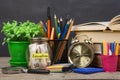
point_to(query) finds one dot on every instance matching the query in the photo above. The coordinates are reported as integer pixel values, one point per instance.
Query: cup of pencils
(58, 38)
(59, 50)
(57, 30)
(110, 56)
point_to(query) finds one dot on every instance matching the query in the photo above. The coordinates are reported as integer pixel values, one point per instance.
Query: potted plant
(17, 35)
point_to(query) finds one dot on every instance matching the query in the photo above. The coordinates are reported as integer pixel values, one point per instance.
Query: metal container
(40, 53)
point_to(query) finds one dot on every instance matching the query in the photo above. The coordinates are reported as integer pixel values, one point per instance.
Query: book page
(115, 23)
(91, 26)
(114, 19)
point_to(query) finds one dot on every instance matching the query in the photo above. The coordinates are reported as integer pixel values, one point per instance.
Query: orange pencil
(48, 29)
(48, 22)
(117, 49)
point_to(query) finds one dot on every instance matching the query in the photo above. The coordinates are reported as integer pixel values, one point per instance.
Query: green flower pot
(17, 52)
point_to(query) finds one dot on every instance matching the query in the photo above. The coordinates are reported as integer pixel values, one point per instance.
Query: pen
(36, 71)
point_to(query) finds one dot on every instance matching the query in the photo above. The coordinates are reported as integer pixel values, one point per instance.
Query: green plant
(20, 31)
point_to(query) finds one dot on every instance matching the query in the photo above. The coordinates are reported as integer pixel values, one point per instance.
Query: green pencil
(56, 25)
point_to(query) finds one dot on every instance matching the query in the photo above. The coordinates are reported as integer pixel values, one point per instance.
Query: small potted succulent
(17, 35)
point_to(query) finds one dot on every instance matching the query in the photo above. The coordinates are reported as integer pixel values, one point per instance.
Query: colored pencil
(48, 22)
(117, 49)
(56, 25)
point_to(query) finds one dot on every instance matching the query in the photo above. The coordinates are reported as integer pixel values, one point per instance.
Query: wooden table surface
(55, 76)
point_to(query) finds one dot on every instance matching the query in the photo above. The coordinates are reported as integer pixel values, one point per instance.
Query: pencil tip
(58, 20)
(70, 19)
(54, 15)
(61, 19)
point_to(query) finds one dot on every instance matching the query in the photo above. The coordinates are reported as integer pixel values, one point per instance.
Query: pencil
(52, 34)
(52, 39)
(42, 28)
(48, 29)
(65, 30)
(48, 22)
(57, 51)
(69, 29)
(65, 42)
(59, 31)
(116, 49)
(56, 25)
(104, 48)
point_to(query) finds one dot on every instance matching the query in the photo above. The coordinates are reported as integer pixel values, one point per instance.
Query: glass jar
(40, 53)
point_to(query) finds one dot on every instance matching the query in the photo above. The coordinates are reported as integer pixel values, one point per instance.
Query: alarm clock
(81, 54)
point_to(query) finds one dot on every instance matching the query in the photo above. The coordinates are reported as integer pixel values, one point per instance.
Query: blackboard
(36, 10)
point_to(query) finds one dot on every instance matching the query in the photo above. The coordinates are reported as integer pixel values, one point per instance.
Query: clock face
(80, 54)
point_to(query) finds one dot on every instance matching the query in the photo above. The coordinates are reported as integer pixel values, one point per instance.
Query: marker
(36, 71)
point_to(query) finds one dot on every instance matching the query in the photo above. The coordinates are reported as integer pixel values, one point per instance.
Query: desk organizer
(109, 63)
(97, 61)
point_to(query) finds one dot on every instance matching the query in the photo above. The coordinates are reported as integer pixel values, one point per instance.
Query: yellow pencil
(117, 49)
(104, 48)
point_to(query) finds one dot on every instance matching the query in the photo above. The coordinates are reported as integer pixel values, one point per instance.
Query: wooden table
(54, 76)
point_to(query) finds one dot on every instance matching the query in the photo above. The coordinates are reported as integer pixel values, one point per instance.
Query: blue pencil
(65, 30)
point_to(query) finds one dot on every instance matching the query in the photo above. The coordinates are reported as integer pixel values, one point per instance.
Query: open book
(113, 25)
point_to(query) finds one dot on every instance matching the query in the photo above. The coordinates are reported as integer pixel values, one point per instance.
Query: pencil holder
(109, 63)
(59, 50)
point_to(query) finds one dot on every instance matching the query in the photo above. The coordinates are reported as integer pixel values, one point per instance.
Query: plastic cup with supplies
(110, 56)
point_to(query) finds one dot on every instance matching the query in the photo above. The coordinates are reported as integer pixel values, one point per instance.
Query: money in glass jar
(40, 54)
